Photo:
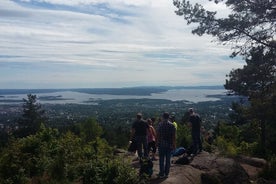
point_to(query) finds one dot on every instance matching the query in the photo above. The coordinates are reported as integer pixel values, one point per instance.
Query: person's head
(172, 117)
(191, 110)
(139, 115)
(159, 119)
(149, 121)
(166, 115)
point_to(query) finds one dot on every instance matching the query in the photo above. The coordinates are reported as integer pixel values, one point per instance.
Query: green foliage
(52, 158)
(238, 114)
(230, 133)
(225, 147)
(28, 155)
(208, 147)
(246, 148)
(250, 132)
(183, 137)
(117, 135)
(250, 28)
(271, 137)
(249, 22)
(33, 115)
(107, 171)
(257, 81)
(233, 140)
(11, 168)
(90, 130)
(4, 137)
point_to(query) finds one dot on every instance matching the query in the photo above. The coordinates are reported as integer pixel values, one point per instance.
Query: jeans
(142, 143)
(164, 160)
(197, 144)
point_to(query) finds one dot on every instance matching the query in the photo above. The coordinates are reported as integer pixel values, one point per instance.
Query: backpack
(146, 167)
(182, 161)
(178, 151)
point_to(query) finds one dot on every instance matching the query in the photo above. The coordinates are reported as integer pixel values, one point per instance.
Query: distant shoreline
(90, 96)
(139, 91)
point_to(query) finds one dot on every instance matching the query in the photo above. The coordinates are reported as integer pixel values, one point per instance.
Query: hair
(149, 121)
(139, 115)
(166, 115)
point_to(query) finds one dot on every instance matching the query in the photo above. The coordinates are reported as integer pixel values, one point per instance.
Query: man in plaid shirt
(166, 144)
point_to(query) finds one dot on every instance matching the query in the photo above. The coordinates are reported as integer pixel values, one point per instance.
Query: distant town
(117, 112)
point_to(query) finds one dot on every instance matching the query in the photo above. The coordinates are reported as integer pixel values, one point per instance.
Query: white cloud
(134, 43)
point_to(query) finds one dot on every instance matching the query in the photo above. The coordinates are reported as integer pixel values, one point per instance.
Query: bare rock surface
(179, 174)
(207, 168)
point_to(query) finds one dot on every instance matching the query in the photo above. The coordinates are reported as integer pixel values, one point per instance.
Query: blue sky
(105, 43)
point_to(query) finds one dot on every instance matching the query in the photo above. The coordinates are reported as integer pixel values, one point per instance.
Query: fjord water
(63, 97)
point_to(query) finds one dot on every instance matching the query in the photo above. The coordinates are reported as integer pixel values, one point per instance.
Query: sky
(106, 43)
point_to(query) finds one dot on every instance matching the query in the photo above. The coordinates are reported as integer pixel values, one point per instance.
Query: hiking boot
(161, 176)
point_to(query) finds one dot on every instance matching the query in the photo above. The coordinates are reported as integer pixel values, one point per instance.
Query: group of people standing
(163, 138)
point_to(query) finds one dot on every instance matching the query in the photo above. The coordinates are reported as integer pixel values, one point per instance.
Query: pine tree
(32, 117)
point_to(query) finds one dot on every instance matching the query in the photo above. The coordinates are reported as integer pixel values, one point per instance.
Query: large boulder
(219, 169)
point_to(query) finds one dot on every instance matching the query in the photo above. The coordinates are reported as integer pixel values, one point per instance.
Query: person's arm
(132, 133)
(157, 138)
(154, 132)
(190, 122)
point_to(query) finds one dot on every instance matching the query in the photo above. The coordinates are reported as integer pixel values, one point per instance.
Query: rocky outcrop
(206, 168)
(219, 169)
(256, 162)
(253, 166)
(216, 169)
(180, 174)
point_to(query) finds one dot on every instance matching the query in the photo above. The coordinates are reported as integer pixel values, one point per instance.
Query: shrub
(225, 147)
(114, 171)
(246, 148)
(183, 137)
(51, 158)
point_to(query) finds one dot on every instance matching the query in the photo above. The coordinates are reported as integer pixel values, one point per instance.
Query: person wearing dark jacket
(139, 132)
(195, 122)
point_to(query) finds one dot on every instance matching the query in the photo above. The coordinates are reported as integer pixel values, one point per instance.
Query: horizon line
(160, 86)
